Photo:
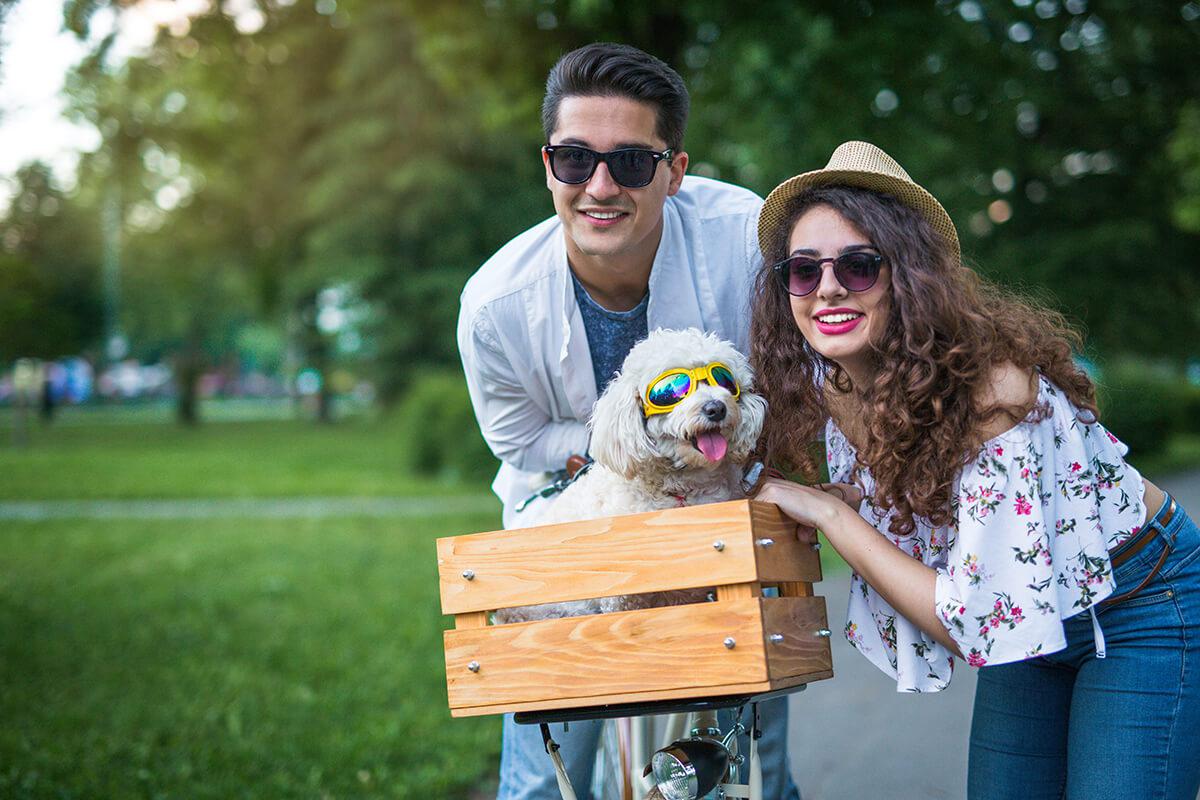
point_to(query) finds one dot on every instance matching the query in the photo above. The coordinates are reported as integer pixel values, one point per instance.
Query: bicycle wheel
(609, 776)
(624, 751)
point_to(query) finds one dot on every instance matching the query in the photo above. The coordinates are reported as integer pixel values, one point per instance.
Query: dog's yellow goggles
(673, 386)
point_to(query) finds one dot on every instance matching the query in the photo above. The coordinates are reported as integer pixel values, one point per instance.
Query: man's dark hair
(618, 70)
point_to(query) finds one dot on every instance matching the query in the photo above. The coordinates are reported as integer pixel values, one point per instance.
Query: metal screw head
(764, 542)
(730, 642)
(824, 633)
(718, 545)
(469, 574)
(776, 638)
(473, 666)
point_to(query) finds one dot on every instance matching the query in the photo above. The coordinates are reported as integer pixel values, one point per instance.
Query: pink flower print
(962, 609)
(1111, 438)
(1134, 531)
(1023, 505)
(976, 659)
(999, 450)
(974, 571)
(1017, 615)
(1025, 473)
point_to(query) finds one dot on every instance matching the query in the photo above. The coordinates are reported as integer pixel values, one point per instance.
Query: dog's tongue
(712, 445)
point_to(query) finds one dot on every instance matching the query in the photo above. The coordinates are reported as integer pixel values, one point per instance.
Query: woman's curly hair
(946, 330)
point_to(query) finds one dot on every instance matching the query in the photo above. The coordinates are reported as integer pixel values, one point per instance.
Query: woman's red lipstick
(842, 324)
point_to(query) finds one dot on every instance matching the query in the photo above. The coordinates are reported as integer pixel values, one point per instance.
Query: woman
(1000, 523)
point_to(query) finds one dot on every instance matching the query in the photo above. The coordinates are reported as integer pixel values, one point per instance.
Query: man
(545, 323)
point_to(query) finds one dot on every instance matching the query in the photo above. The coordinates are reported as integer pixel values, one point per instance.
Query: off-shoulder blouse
(1035, 514)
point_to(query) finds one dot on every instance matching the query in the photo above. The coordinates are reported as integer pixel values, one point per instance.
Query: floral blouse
(1036, 513)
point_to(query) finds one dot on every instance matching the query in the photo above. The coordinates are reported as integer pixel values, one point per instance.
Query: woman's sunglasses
(856, 271)
(673, 386)
(631, 167)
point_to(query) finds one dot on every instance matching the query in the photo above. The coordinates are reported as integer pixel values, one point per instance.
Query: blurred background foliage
(298, 189)
(264, 161)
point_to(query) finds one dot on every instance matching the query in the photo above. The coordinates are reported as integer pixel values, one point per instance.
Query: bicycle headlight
(689, 768)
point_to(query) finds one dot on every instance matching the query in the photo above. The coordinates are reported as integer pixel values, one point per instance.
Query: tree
(201, 134)
(50, 302)
(266, 154)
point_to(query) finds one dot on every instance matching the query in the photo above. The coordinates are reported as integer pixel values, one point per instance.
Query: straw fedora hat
(865, 166)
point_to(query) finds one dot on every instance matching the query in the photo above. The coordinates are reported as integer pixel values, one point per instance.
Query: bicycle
(685, 753)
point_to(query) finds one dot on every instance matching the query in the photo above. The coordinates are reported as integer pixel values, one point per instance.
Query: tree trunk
(188, 369)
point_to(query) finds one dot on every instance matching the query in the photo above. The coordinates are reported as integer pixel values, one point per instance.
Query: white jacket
(522, 341)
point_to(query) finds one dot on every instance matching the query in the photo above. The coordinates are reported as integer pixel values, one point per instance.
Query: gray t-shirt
(610, 334)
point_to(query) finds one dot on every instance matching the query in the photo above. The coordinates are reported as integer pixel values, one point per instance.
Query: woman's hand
(816, 506)
(906, 583)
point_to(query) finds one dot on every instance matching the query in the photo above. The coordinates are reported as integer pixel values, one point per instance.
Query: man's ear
(678, 168)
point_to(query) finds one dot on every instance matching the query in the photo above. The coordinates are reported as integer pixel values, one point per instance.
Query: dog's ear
(754, 414)
(619, 440)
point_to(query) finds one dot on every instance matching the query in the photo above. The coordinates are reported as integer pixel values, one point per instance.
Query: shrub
(1142, 407)
(443, 436)
(1191, 410)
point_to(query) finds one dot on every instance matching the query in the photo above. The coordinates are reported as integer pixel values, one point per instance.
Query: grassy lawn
(237, 658)
(227, 658)
(230, 659)
(359, 456)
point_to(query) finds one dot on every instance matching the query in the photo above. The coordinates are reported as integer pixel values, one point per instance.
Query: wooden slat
(787, 558)
(795, 589)
(644, 697)
(802, 651)
(606, 655)
(473, 619)
(633, 554)
(739, 591)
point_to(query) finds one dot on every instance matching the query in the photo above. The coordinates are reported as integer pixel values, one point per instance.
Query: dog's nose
(714, 410)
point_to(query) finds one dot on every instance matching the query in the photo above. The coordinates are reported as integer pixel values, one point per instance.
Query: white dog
(674, 428)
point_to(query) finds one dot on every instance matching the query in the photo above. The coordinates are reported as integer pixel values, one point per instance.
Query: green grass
(359, 456)
(230, 659)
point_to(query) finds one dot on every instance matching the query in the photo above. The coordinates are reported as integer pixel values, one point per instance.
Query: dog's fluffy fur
(650, 463)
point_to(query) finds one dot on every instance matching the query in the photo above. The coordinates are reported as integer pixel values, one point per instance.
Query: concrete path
(854, 737)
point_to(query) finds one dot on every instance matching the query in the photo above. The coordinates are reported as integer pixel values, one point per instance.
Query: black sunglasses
(856, 271)
(631, 167)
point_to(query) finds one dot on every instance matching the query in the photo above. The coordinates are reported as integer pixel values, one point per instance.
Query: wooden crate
(666, 653)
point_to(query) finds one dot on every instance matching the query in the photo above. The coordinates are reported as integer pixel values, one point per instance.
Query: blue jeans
(526, 772)
(1070, 725)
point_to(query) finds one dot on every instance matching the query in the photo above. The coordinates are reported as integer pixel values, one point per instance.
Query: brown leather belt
(1145, 536)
